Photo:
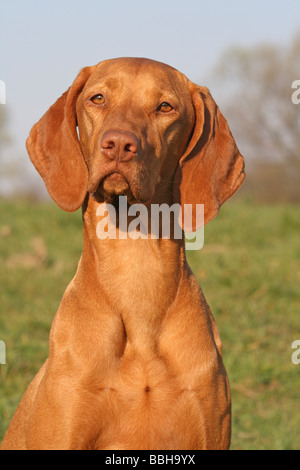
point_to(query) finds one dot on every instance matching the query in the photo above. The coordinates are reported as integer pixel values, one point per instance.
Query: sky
(44, 44)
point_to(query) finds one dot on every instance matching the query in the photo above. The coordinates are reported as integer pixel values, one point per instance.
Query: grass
(249, 270)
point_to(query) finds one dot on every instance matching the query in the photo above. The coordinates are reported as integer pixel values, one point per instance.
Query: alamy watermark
(133, 222)
(296, 94)
(296, 354)
(2, 353)
(2, 92)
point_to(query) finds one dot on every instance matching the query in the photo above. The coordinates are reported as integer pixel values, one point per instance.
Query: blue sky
(45, 43)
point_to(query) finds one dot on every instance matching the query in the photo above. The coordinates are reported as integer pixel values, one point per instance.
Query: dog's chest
(146, 408)
(144, 286)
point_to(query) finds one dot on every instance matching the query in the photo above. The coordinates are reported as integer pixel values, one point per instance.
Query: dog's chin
(111, 187)
(115, 184)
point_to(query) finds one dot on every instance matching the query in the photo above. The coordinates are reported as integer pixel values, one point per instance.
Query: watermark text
(296, 94)
(2, 92)
(2, 353)
(296, 354)
(164, 221)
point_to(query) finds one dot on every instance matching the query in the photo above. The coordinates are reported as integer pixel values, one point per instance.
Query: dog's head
(144, 131)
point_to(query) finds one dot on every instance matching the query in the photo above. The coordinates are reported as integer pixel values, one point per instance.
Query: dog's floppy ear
(212, 168)
(54, 149)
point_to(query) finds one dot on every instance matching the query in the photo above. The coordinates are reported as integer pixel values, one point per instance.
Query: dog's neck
(138, 277)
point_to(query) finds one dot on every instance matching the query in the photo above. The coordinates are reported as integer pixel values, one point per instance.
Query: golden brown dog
(135, 355)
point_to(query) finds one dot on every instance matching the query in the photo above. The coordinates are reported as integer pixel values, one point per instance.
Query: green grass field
(249, 270)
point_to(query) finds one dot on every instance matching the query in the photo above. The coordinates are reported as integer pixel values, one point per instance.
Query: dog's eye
(98, 99)
(165, 107)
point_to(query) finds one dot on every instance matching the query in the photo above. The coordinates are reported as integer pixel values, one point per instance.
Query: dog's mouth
(111, 187)
(114, 183)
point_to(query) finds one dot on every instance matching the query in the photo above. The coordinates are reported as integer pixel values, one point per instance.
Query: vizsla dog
(135, 358)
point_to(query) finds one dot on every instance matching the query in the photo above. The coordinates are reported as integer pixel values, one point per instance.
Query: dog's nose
(118, 145)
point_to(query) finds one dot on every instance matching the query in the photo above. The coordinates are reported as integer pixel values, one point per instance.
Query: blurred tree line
(256, 95)
(254, 88)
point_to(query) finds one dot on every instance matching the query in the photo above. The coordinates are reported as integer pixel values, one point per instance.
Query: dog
(135, 357)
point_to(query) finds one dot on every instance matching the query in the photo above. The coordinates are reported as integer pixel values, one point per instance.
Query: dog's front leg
(62, 416)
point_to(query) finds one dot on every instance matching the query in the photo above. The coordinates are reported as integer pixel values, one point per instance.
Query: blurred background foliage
(255, 91)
